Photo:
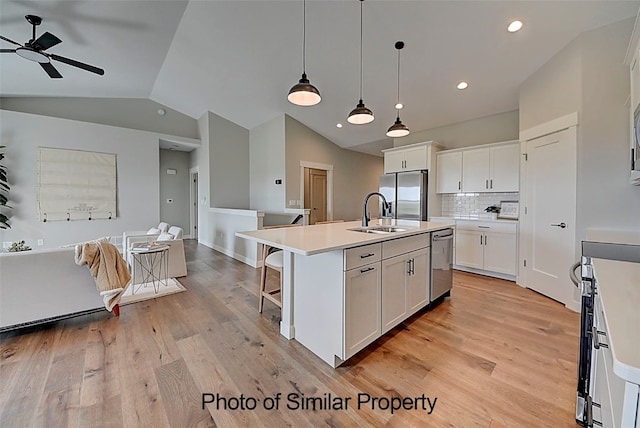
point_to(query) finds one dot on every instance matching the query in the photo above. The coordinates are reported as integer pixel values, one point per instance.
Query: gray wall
(484, 130)
(175, 187)
(228, 163)
(137, 170)
(267, 163)
(588, 76)
(131, 113)
(354, 174)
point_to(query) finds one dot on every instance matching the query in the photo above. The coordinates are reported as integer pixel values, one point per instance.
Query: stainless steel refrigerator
(407, 193)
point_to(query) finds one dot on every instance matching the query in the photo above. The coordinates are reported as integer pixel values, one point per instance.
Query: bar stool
(274, 261)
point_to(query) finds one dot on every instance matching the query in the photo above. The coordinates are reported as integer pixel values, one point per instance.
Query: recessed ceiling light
(399, 106)
(462, 85)
(514, 26)
(338, 125)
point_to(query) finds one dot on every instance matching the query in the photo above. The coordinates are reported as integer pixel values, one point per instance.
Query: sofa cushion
(176, 232)
(165, 237)
(153, 231)
(164, 227)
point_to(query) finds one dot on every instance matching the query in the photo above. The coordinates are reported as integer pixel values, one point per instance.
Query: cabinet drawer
(481, 226)
(360, 256)
(404, 245)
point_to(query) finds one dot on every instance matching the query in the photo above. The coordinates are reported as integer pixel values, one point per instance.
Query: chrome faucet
(365, 217)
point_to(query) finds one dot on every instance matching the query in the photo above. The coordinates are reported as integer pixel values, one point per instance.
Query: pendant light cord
(361, 1)
(398, 77)
(304, 37)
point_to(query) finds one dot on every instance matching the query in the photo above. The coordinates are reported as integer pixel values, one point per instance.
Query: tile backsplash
(473, 204)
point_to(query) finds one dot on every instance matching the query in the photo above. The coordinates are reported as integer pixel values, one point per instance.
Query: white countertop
(320, 238)
(473, 218)
(619, 289)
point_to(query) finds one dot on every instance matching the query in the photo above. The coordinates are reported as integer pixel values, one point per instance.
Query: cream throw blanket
(107, 267)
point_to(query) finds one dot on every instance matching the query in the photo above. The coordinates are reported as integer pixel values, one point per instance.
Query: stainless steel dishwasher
(441, 263)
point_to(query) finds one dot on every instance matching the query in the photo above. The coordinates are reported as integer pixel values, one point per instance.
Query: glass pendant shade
(360, 115)
(304, 93)
(398, 129)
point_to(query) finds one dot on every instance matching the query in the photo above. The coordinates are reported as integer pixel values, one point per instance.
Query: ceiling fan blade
(7, 50)
(78, 64)
(9, 40)
(45, 41)
(51, 70)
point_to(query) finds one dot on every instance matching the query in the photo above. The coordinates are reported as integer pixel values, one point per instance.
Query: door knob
(561, 225)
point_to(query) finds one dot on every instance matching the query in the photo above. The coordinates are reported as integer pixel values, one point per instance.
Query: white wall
(137, 174)
(200, 158)
(588, 76)
(228, 163)
(354, 174)
(175, 187)
(484, 130)
(267, 163)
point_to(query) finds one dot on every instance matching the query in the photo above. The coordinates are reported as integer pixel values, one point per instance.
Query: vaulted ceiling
(238, 59)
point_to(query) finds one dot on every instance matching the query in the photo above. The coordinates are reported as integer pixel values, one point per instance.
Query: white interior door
(550, 201)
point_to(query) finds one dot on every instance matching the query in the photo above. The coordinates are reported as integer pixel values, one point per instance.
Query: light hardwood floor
(494, 355)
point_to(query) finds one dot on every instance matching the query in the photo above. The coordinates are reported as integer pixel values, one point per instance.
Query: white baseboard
(227, 252)
(485, 273)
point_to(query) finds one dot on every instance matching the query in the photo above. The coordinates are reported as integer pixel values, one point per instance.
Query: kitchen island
(343, 288)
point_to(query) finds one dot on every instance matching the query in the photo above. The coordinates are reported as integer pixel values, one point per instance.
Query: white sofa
(43, 285)
(177, 261)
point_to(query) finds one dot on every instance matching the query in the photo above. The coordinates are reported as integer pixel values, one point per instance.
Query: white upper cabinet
(491, 168)
(505, 168)
(449, 172)
(413, 157)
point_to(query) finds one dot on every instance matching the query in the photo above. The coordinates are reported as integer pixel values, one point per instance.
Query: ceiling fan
(34, 50)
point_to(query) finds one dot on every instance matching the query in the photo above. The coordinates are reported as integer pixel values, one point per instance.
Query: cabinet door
(635, 82)
(394, 296)
(394, 161)
(415, 158)
(469, 248)
(500, 251)
(449, 172)
(362, 307)
(418, 281)
(505, 168)
(476, 170)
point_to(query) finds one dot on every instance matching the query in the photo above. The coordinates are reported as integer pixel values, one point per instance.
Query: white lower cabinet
(362, 307)
(405, 281)
(614, 402)
(487, 246)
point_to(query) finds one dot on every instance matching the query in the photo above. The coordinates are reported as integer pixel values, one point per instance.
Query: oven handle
(572, 274)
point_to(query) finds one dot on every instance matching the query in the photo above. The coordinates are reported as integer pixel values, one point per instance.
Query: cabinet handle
(480, 239)
(590, 421)
(596, 338)
(459, 185)
(485, 239)
(486, 184)
(491, 183)
(364, 256)
(413, 266)
(409, 267)
(369, 269)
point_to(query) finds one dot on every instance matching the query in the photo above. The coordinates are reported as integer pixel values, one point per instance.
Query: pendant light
(398, 129)
(361, 114)
(304, 93)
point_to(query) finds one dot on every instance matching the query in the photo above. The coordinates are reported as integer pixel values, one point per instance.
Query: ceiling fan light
(360, 115)
(304, 93)
(32, 55)
(398, 129)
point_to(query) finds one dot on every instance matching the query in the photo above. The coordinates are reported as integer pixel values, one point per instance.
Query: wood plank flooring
(493, 355)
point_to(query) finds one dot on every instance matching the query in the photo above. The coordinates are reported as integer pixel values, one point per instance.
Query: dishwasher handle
(437, 237)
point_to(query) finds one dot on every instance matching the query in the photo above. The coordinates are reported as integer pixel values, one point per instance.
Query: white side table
(151, 264)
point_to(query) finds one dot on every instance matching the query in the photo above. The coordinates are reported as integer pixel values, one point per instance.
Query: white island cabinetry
(333, 301)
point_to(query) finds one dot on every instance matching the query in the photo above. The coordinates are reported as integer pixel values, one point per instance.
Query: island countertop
(320, 238)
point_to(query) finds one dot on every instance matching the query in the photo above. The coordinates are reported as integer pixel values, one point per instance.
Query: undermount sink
(378, 229)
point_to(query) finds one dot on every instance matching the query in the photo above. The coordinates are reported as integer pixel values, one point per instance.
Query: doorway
(193, 202)
(315, 194)
(549, 225)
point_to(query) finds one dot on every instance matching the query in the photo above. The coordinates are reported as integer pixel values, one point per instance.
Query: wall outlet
(40, 242)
